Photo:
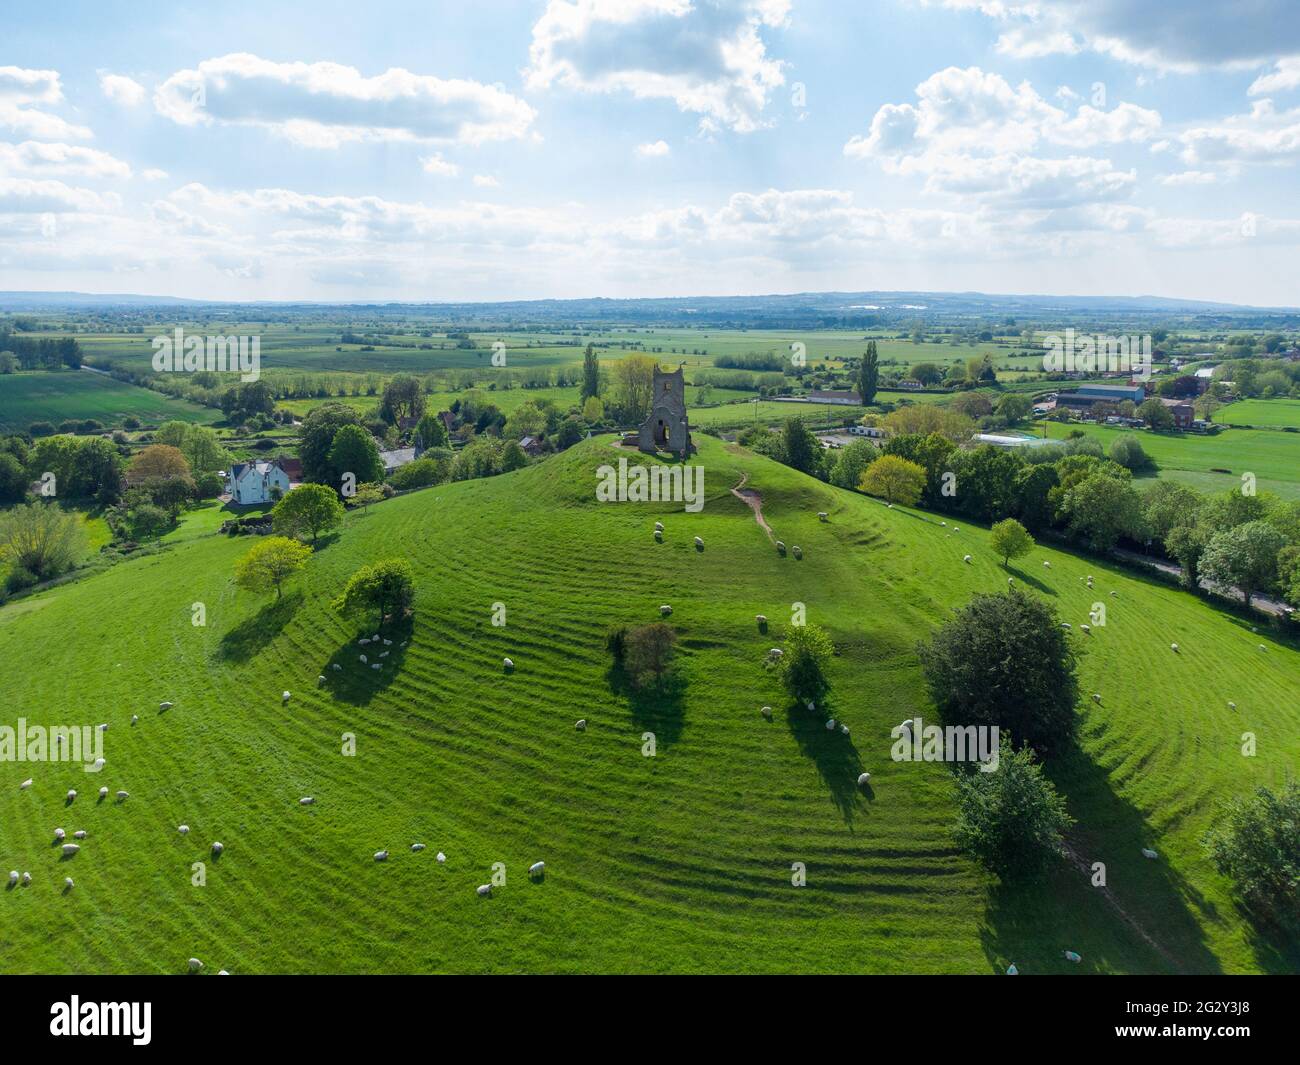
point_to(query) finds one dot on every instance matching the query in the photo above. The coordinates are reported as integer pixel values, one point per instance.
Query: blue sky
(566, 148)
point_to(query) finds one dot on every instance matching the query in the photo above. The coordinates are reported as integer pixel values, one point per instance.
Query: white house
(867, 430)
(256, 482)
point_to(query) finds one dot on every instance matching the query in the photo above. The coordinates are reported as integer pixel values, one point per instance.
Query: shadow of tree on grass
(252, 634)
(836, 758)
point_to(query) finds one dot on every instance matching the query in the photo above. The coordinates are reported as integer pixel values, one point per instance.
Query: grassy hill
(680, 862)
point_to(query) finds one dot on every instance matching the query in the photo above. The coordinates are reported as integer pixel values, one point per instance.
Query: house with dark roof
(250, 483)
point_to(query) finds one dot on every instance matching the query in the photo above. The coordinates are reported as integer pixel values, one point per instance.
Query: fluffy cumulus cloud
(971, 134)
(653, 150)
(24, 95)
(707, 56)
(1265, 135)
(1184, 36)
(323, 105)
(43, 158)
(122, 90)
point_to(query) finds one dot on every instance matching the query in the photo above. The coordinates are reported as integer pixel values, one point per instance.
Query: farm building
(1083, 397)
(846, 399)
(1000, 440)
(248, 483)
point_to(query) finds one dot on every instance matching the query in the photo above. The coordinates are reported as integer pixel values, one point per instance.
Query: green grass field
(72, 394)
(679, 862)
(1266, 412)
(1273, 457)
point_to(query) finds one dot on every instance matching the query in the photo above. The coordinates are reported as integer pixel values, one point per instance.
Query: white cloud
(122, 90)
(43, 158)
(323, 105)
(153, 174)
(19, 88)
(25, 195)
(486, 181)
(1190, 177)
(1286, 75)
(1184, 36)
(653, 150)
(436, 164)
(708, 57)
(1265, 135)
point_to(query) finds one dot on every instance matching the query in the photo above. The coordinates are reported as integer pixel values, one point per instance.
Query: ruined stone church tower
(667, 428)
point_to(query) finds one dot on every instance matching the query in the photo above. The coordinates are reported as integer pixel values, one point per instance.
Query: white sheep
(13, 876)
(440, 857)
(1086, 628)
(306, 800)
(830, 725)
(222, 972)
(217, 848)
(780, 546)
(797, 551)
(284, 698)
(775, 652)
(70, 849)
(381, 856)
(1072, 956)
(122, 796)
(761, 619)
(944, 524)
(699, 542)
(665, 610)
(581, 724)
(966, 559)
(659, 526)
(1047, 565)
(376, 666)
(537, 869)
(388, 643)
(766, 711)
(135, 718)
(59, 833)
(507, 663)
(363, 658)
(844, 729)
(484, 890)
(659, 537)
(1262, 647)
(1096, 697)
(102, 728)
(25, 784)
(99, 764)
(364, 641)
(67, 883)
(195, 965)
(165, 706)
(823, 516)
(1012, 970)
(811, 705)
(79, 834)
(1232, 705)
(384, 654)
(72, 794)
(417, 846)
(1114, 595)
(1011, 580)
(27, 878)
(1066, 625)
(889, 506)
(184, 830)
(103, 792)
(1147, 852)
(336, 666)
(864, 779)
(1173, 647)
(320, 680)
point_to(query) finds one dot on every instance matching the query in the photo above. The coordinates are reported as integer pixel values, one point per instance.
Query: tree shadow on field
(659, 708)
(834, 755)
(358, 682)
(1147, 918)
(251, 635)
(1033, 582)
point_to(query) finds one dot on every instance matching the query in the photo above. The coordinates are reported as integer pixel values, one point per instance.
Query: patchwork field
(79, 394)
(1273, 457)
(679, 862)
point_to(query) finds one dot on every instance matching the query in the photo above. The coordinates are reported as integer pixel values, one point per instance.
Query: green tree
(432, 431)
(869, 375)
(1012, 820)
(1102, 508)
(801, 449)
(366, 495)
(513, 457)
(570, 433)
(1014, 407)
(41, 539)
(13, 481)
(1127, 451)
(894, 480)
(1244, 557)
(386, 587)
(851, 462)
(590, 375)
(527, 420)
(309, 508)
(354, 452)
(1004, 661)
(318, 431)
(1255, 844)
(269, 563)
(593, 410)
(1155, 414)
(1010, 539)
(403, 400)
(804, 662)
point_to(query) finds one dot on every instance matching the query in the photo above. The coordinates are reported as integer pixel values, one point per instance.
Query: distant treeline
(44, 353)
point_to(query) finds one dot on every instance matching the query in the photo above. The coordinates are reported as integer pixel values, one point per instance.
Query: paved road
(1260, 602)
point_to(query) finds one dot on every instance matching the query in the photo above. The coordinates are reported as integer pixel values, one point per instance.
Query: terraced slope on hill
(677, 862)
